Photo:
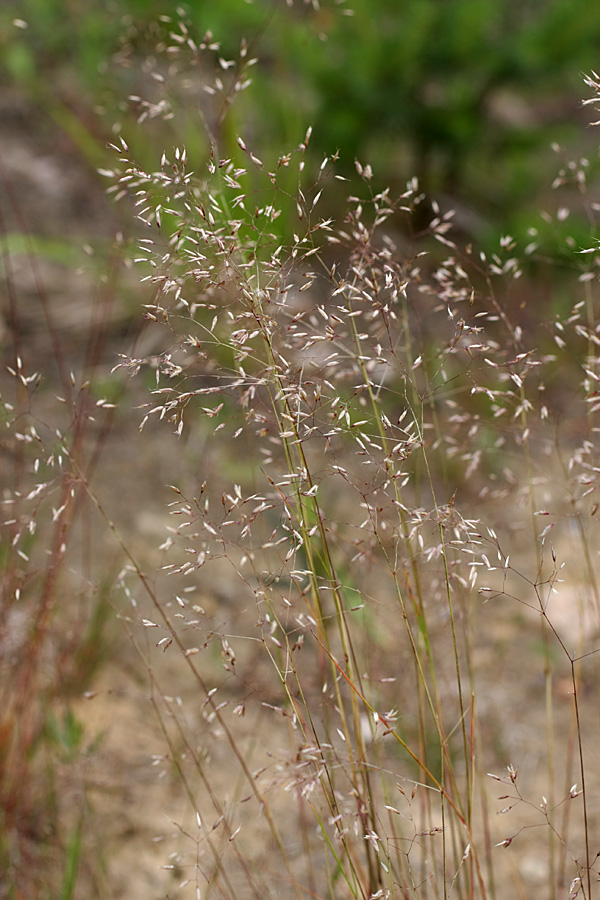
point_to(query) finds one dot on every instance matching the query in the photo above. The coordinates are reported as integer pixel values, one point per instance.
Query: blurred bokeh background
(467, 95)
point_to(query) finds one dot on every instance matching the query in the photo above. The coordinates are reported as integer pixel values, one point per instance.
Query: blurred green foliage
(465, 94)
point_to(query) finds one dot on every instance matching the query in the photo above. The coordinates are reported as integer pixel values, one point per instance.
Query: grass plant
(369, 632)
(393, 425)
(54, 596)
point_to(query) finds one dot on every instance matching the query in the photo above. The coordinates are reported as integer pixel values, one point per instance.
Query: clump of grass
(385, 462)
(53, 597)
(383, 502)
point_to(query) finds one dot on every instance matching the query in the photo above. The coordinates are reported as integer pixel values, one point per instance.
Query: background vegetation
(466, 95)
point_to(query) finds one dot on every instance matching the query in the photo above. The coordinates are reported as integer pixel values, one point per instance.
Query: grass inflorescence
(369, 628)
